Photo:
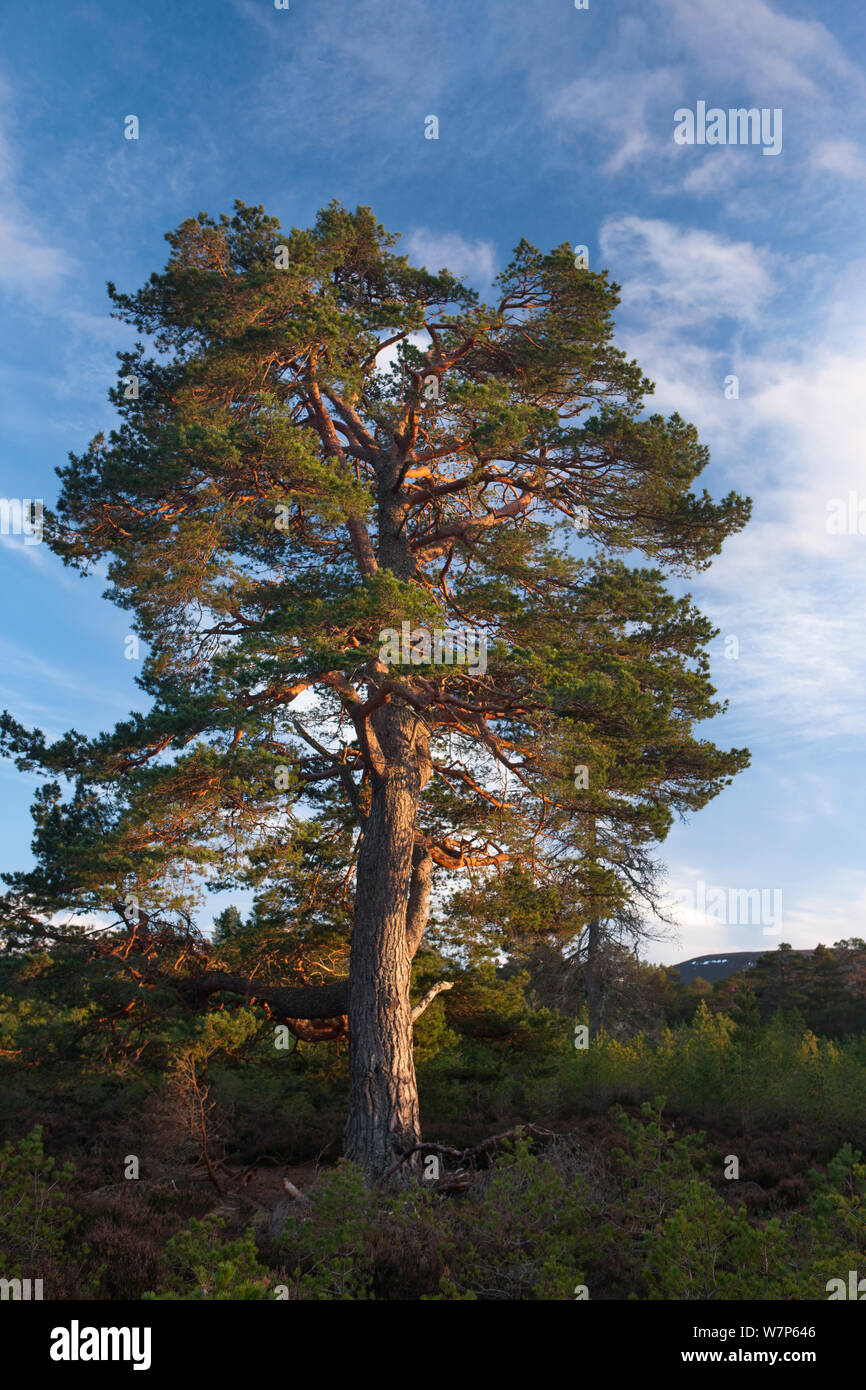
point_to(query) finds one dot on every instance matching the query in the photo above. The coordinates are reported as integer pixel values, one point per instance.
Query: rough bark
(285, 1002)
(314, 1013)
(418, 909)
(383, 1120)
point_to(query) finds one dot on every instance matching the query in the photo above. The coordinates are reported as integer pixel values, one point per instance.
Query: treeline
(825, 989)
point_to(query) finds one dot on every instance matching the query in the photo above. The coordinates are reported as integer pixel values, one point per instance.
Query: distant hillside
(719, 967)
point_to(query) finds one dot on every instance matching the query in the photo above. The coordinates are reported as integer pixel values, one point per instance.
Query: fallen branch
(465, 1154)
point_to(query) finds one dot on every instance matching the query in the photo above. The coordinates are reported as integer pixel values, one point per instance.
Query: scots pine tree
(373, 534)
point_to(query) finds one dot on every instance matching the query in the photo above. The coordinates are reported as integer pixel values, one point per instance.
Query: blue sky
(556, 124)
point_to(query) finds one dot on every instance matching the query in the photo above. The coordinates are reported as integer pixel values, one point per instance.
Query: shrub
(37, 1228)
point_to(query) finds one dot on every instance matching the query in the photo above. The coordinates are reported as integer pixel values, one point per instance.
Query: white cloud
(388, 356)
(832, 913)
(29, 265)
(839, 157)
(747, 42)
(828, 918)
(469, 260)
(789, 590)
(742, 51)
(713, 170)
(686, 273)
(614, 110)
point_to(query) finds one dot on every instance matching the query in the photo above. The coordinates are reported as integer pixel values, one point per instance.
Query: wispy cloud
(714, 915)
(742, 52)
(613, 112)
(687, 273)
(760, 48)
(470, 260)
(16, 660)
(787, 588)
(840, 157)
(30, 266)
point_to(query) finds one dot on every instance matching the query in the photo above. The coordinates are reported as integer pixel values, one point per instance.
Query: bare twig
(465, 1154)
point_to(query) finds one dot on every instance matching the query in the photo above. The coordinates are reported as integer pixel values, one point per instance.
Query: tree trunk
(418, 909)
(383, 1120)
(593, 976)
